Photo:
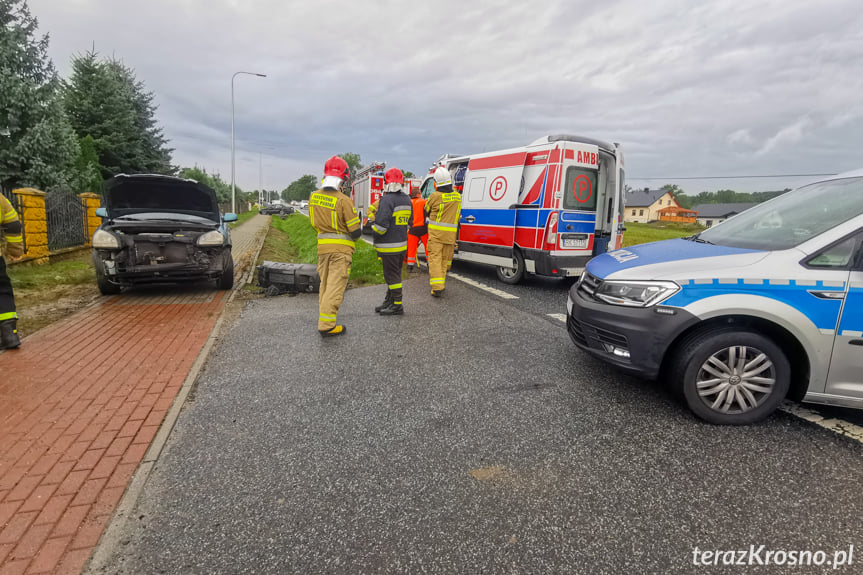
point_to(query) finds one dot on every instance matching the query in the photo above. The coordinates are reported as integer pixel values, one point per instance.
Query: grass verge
(643, 233)
(49, 292)
(244, 217)
(294, 240)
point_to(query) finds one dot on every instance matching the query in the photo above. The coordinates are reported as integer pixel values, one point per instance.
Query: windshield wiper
(697, 238)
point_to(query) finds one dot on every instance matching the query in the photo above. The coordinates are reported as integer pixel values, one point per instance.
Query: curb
(98, 562)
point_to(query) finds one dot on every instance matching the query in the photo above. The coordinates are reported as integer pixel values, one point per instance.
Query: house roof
(643, 198)
(721, 210)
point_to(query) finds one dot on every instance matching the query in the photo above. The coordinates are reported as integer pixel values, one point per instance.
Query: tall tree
(37, 144)
(300, 189)
(105, 101)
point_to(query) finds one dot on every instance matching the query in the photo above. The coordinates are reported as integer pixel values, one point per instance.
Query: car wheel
(226, 281)
(731, 376)
(106, 287)
(512, 275)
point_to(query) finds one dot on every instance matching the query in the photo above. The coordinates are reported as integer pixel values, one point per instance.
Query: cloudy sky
(689, 89)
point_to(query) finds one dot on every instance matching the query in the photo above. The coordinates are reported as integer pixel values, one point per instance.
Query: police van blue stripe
(823, 313)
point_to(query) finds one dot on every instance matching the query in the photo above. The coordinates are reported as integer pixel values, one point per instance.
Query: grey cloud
(714, 88)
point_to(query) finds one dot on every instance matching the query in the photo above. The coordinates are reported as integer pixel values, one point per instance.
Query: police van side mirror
(102, 212)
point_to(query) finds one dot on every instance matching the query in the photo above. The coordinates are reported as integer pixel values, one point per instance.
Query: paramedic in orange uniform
(419, 230)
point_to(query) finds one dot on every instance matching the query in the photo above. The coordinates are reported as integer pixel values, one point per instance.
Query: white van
(764, 306)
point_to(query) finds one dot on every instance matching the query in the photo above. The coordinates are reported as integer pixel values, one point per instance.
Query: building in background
(711, 214)
(643, 205)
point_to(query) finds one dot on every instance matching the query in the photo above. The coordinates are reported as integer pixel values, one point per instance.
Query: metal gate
(16, 205)
(66, 216)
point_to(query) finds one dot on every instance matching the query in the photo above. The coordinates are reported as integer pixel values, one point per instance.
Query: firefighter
(392, 219)
(335, 218)
(10, 227)
(419, 230)
(443, 209)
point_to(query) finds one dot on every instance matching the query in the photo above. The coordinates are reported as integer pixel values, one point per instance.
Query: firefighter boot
(338, 330)
(387, 303)
(9, 334)
(393, 309)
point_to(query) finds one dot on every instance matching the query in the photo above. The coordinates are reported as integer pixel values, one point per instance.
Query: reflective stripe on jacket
(11, 229)
(334, 217)
(392, 219)
(443, 209)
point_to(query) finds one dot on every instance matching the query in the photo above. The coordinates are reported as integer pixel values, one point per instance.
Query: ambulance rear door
(580, 198)
(488, 207)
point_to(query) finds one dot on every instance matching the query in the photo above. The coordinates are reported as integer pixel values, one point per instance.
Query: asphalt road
(467, 436)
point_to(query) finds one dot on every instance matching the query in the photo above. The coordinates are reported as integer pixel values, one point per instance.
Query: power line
(732, 177)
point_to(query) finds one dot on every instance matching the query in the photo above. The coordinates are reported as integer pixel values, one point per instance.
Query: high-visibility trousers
(7, 300)
(413, 246)
(392, 264)
(439, 259)
(334, 270)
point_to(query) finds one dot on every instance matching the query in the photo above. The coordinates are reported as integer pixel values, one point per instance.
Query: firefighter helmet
(442, 177)
(335, 172)
(394, 176)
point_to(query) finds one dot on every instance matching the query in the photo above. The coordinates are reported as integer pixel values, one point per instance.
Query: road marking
(557, 316)
(839, 426)
(482, 286)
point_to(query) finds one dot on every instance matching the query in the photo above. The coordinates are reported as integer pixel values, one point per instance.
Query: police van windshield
(792, 218)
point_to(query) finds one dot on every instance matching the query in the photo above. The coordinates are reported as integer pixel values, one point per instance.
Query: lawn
(46, 293)
(653, 232)
(244, 217)
(294, 240)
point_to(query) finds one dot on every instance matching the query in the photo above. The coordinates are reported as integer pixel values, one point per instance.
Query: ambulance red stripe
(502, 161)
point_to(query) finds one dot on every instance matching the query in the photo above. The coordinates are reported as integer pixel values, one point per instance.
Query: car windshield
(792, 218)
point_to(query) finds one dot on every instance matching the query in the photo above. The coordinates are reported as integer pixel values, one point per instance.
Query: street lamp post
(233, 168)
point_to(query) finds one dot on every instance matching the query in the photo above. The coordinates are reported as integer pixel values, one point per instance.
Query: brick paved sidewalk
(80, 403)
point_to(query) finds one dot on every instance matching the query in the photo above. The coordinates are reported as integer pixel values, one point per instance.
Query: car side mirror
(230, 217)
(102, 212)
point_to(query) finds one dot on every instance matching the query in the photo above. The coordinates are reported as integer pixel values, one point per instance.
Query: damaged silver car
(159, 229)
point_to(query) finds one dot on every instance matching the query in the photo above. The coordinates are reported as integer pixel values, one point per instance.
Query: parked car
(276, 210)
(766, 305)
(161, 229)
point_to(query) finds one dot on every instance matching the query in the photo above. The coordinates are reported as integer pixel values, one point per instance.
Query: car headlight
(635, 294)
(105, 240)
(214, 238)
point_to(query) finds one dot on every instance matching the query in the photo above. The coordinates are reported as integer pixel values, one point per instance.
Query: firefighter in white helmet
(391, 238)
(335, 218)
(443, 209)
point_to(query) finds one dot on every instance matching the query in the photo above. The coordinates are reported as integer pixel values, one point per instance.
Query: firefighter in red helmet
(335, 218)
(390, 229)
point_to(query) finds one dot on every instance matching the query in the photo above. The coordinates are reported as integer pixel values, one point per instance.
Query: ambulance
(366, 189)
(545, 208)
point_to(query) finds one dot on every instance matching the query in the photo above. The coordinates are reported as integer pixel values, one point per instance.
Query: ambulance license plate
(575, 242)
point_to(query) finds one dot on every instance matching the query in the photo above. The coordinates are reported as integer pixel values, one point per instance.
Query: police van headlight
(214, 238)
(635, 294)
(103, 240)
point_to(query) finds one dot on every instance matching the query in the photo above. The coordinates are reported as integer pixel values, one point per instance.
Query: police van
(766, 305)
(545, 208)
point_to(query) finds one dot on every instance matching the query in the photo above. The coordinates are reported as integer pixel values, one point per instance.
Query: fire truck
(545, 208)
(366, 189)
(368, 185)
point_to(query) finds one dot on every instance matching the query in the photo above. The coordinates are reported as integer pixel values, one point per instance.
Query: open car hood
(139, 194)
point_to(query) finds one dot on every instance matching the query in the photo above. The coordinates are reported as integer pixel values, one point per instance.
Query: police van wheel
(512, 275)
(732, 376)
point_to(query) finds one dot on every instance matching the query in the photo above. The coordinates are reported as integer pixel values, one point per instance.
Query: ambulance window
(428, 188)
(579, 191)
(476, 190)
